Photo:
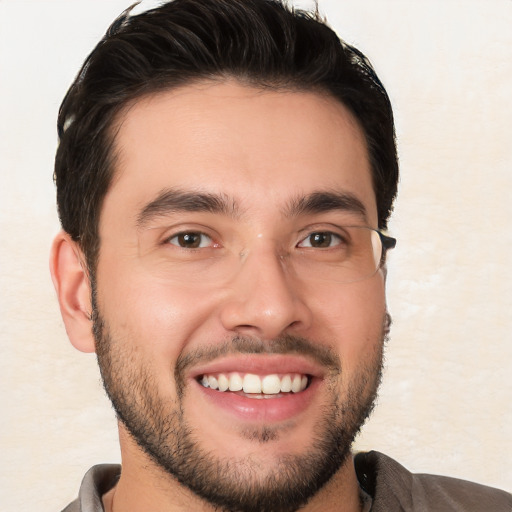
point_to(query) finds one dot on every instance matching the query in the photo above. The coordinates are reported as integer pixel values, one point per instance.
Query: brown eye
(191, 240)
(320, 240)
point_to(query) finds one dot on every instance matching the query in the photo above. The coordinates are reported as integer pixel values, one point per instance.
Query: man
(224, 174)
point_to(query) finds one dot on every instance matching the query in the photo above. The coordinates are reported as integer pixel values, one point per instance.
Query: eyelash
(191, 234)
(328, 235)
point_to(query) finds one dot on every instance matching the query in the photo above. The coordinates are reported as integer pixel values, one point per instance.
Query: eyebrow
(326, 201)
(174, 200)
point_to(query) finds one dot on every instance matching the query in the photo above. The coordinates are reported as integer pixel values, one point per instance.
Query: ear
(73, 288)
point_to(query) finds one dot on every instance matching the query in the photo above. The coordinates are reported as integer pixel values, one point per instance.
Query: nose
(264, 300)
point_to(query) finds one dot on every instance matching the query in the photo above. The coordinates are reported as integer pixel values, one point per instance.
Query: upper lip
(260, 364)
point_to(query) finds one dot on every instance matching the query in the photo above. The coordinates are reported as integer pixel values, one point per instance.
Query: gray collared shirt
(391, 487)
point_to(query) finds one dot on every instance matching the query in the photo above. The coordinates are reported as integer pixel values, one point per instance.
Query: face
(232, 353)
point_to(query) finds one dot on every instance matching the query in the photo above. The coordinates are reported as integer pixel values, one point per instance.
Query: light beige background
(446, 402)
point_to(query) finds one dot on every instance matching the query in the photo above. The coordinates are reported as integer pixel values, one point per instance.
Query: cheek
(351, 318)
(154, 315)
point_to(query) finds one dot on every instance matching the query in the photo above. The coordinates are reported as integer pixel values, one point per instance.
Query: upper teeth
(250, 383)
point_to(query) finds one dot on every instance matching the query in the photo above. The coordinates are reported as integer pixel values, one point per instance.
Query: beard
(230, 483)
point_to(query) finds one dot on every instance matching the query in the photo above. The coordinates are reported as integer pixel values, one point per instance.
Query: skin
(262, 149)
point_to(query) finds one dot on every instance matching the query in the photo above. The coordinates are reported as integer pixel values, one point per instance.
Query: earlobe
(73, 289)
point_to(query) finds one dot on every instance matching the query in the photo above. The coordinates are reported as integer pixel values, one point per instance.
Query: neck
(145, 486)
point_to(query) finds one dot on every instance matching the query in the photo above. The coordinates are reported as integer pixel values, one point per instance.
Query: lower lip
(280, 408)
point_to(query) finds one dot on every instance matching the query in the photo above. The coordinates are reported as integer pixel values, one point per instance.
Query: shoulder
(96, 482)
(393, 487)
(73, 507)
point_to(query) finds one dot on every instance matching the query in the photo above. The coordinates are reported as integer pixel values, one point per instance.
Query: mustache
(238, 344)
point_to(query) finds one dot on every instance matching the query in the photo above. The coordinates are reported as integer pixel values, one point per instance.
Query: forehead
(260, 147)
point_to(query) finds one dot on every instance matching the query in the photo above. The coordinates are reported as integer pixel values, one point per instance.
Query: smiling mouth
(256, 386)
